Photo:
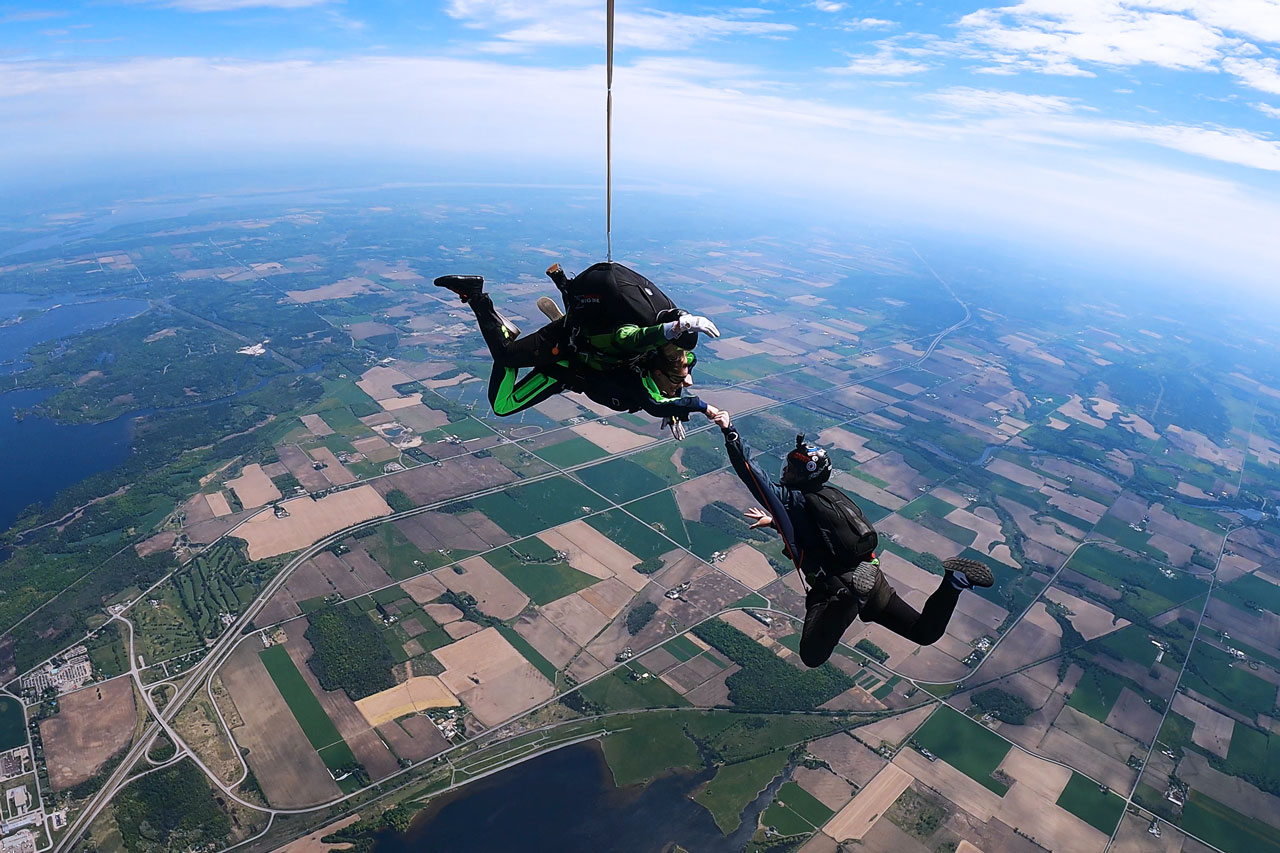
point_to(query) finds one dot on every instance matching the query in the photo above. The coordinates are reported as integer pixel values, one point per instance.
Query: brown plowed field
(91, 725)
(575, 618)
(549, 640)
(253, 487)
(286, 766)
(495, 595)
(430, 484)
(853, 821)
(299, 465)
(309, 521)
(414, 738)
(489, 675)
(366, 569)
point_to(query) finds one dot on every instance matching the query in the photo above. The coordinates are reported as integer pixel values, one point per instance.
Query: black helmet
(808, 466)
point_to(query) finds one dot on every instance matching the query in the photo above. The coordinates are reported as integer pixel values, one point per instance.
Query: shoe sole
(979, 574)
(548, 306)
(864, 579)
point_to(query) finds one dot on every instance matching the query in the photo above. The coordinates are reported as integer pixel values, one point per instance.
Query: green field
(622, 480)
(784, 821)
(1145, 588)
(966, 745)
(682, 648)
(398, 556)
(1131, 643)
(1252, 590)
(544, 582)
(804, 804)
(306, 708)
(1096, 693)
(635, 536)
(575, 451)
(1086, 801)
(1210, 671)
(1226, 828)
(663, 513)
(13, 724)
(652, 745)
(735, 785)
(533, 507)
(1255, 755)
(618, 691)
(1176, 731)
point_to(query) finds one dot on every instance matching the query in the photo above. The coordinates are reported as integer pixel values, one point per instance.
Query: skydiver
(632, 368)
(833, 547)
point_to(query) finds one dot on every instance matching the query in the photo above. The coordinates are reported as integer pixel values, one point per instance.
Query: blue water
(565, 801)
(40, 458)
(60, 320)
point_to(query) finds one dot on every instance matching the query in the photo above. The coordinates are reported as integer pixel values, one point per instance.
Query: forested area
(350, 653)
(171, 809)
(766, 682)
(1003, 705)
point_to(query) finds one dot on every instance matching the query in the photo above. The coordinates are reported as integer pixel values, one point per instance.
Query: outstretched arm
(761, 488)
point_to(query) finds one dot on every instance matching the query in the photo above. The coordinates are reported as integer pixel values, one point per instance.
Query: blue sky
(1146, 124)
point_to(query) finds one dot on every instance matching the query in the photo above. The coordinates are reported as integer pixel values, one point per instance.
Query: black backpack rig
(847, 537)
(606, 296)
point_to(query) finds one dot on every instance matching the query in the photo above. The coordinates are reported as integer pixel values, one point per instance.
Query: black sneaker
(978, 574)
(466, 286)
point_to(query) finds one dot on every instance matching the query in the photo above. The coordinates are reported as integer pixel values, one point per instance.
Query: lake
(59, 317)
(566, 801)
(40, 457)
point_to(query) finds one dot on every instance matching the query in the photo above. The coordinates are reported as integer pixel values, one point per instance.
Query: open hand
(759, 518)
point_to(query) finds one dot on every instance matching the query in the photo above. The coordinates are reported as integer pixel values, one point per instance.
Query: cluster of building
(15, 763)
(63, 674)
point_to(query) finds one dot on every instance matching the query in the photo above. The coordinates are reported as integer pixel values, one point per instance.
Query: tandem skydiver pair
(623, 343)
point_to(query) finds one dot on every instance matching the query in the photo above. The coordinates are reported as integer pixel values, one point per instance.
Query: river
(566, 800)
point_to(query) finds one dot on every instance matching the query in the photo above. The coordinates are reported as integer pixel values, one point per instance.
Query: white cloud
(237, 5)
(544, 23)
(1260, 74)
(883, 63)
(827, 6)
(870, 24)
(1053, 36)
(1065, 37)
(1267, 110)
(983, 168)
(968, 100)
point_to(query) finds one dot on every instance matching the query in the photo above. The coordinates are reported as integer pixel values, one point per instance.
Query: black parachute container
(608, 295)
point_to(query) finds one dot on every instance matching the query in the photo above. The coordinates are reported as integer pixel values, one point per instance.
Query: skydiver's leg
(921, 627)
(829, 610)
(508, 396)
(540, 347)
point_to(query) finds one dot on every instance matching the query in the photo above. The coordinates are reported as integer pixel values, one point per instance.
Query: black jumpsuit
(831, 606)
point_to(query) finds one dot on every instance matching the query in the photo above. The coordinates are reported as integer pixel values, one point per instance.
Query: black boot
(466, 286)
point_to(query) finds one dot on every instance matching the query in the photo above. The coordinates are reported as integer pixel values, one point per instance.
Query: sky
(1146, 128)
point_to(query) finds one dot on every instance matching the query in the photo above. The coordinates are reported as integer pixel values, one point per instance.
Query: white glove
(677, 428)
(689, 323)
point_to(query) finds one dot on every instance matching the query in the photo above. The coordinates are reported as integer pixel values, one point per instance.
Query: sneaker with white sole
(978, 574)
